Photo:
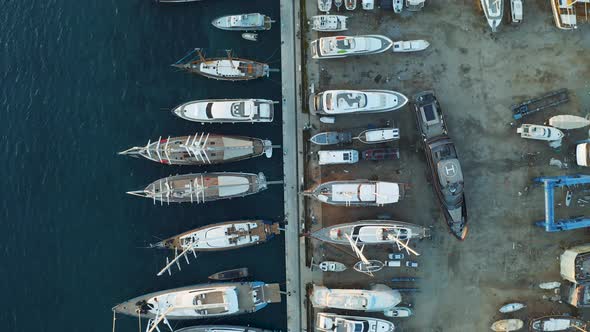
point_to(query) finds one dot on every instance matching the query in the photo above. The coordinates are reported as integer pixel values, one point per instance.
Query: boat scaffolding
(566, 13)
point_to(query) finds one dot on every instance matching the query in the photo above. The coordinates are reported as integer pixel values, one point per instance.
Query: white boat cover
(232, 185)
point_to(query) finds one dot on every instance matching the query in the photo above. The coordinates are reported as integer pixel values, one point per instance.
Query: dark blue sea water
(82, 80)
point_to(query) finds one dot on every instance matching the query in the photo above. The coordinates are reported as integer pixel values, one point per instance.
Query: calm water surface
(81, 81)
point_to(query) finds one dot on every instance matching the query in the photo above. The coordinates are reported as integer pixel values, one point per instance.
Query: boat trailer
(550, 224)
(540, 103)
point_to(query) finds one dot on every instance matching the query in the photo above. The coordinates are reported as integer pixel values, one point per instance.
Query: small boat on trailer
(379, 135)
(243, 22)
(221, 328)
(226, 110)
(350, 4)
(410, 45)
(380, 154)
(558, 323)
(507, 325)
(328, 322)
(203, 149)
(329, 23)
(250, 36)
(203, 187)
(226, 69)
(234, 274)
(511, 307)
(358, 193)
(331, 138)
(332, 266)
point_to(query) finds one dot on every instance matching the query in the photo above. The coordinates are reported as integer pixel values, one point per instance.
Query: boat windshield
(345, 44)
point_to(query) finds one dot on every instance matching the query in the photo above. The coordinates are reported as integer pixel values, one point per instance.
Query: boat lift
(550, 224)
(540, 103)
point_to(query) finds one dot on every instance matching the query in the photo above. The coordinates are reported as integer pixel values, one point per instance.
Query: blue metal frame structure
(550, 224)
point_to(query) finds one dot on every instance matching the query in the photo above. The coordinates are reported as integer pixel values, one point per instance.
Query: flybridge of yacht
(334, 102)
(227, 110)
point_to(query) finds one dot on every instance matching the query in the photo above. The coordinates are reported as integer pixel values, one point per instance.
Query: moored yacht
(441, 155)
(243, 22)
(226, 69)
(336, 102)
(202, 301)
(201, 149)
(494, 10)
(329, 23)
(222, 236)
(345, 46)
(227, 110)
(538, 132)
(371, 232)
(203, 187)
(358, 193)
(379, 298)
(328, 322)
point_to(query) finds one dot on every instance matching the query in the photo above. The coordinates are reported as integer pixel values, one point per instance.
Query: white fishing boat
(345, 46)
(243, 22)
(538, 132)
(335, 157)
(324, 5)
(583, 154)
(568, 122)
(328, 322)
(379, 135)
(507, 325)
(410, 45)
(399, 312)
(250, 36)
(337, 102)
(331, 266)
(493, 10)
(379, 298)
(358, 193)
(226, 110)
(350, 4)
(511, 307)
(329, 23)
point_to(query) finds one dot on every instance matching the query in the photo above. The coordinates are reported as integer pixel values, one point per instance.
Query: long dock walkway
(292, 164)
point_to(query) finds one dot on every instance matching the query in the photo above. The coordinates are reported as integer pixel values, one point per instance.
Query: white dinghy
(410, 45)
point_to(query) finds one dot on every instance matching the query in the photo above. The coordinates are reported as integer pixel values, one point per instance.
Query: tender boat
(511, 307)
(372, 232)
(331, 266)
(328, 322)
(226, 110)
(221, 328)
(399, 312)
(583, 154)
(226, 69)
(222, 236)
(243, 22)
(358, 193)
(369, 266)
(350, 4)
(558, 323)
(567, 122)
(345, 46)
(324, 5)
(331, 138)
(336, 102)
(234, 274)
(493, 9)
(336, 157)
(380, 154)
(379, 135)
(379, 298)
(410, 45)
(203, 187)
(250, 36)
(507, 325)
(441, 155)
(329, 23)
(201, 149)
(202, 301)
(542, 133)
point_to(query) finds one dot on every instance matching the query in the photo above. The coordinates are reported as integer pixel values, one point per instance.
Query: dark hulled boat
(202, 149)
(234, 274)
(441, 155)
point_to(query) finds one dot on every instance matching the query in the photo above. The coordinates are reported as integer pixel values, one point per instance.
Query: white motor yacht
(379, 298)
(542, 133)
(336, 102)
(344, 46)
(329, 23)
(328, 322)
(227, 110)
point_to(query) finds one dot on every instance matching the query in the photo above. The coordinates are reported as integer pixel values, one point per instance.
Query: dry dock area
(476, 76)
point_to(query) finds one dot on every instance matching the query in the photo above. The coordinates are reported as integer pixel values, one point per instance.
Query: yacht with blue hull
(441, 155)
